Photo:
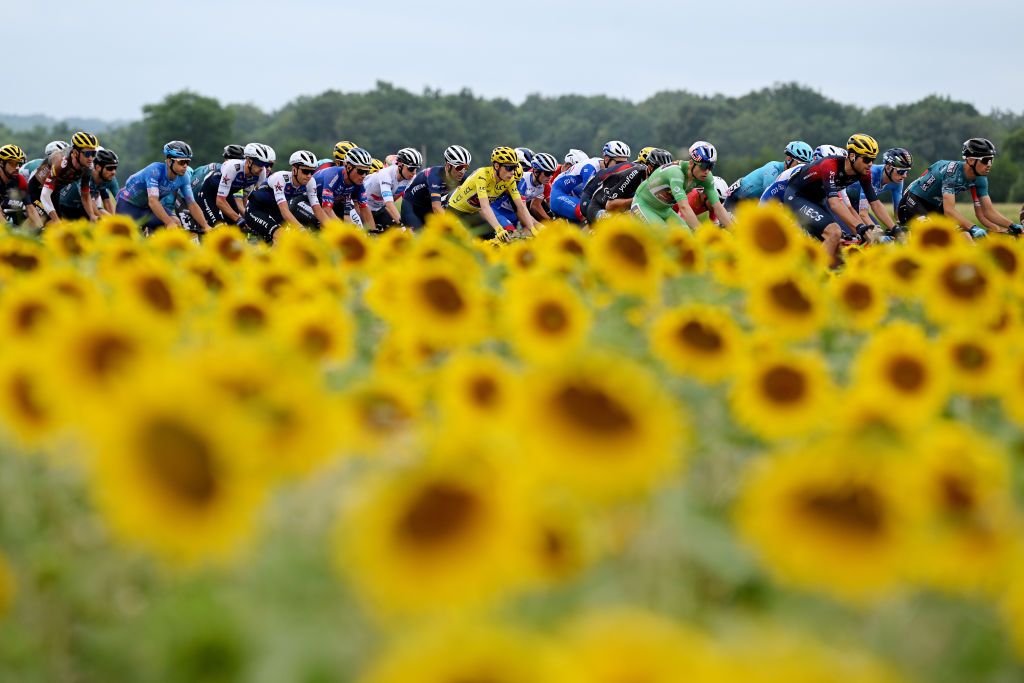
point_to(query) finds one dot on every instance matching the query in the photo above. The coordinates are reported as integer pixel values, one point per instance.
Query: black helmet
(234, 152)
(104, 157)
(658, 157)
(898, 158)
(978, 147)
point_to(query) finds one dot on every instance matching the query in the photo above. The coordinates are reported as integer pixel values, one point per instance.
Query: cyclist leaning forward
(670, 184)
(471, 201)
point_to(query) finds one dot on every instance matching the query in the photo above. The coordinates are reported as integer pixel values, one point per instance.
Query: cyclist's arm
(723, 216)
(487, 213)
(989, 217)
(537, 209)
(525, 219)
(367, 216)
(949, 209)
(224, 202)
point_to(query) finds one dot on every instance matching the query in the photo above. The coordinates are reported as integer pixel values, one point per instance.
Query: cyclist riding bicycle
(13, 186)
(669, 185)
(65, 167)
(886, 177)
(616, 191)
(471, 201)
(426, 193)
(281, 196)
(568, 187)
(387, 185)
(343, 185)
(338, 154)
(531, 189)
(220, 194)
(753, 185)
(103, 187)
(697, 198)
(143, 193)
(29, 167)
(777, 190)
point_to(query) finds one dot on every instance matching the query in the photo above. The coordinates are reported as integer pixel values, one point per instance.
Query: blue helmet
(800, 150)
(176, 149)
(702, 152)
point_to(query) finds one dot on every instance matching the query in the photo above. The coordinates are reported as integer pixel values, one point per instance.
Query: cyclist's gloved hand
(1015, 229)
(241, 221)
(978, 232)
(862, 231)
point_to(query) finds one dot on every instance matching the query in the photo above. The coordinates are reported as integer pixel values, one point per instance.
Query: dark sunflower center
(858, 296)
(697, 335)
(964, 281)
(906, 269)
(770, 237)
(783, 384)
(631, 249)
(443, 296)
(440, 512)
(23, 392)
(551, 317)
(936, 237)
(788, 296)
(180, 461)
(970, 356)
(382, 413)
(250, 317)
(157, 294)
(593, 410)
(105, 354)
(853, 508)
(957, 495)
(484, 391)
(352, 250)
(907, 373)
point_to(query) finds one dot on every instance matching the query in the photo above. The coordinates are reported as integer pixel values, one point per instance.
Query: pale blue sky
(864, 53)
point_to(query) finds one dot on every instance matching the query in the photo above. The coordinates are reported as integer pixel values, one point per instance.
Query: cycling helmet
(658, 157)
(517, 175)
(260, 152)
(55, 146)
(234, 152)
(86, 141)
(544, 162)
(341, 149)
(616, 149)
(457, 156)
(576, 156)
(862, 144)
(822, 151)
(504, 155)
(709, 146)
(303, 158)
(104, 158)
(391, 160)
(410, 156)
(898, 157)
(359, 157)
(721, 187)
(376, 165)
(978, 147)
(525, 156)
(12, 153)
(800, 150)
(641, 156)
(703, 153)
(176, 149)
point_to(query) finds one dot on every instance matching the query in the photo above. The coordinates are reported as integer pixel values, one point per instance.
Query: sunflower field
(629, 455)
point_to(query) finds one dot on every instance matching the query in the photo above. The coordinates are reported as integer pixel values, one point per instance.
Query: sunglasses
(985, 160)
(87, 155)
(361, 171)
(870, 160)
(183, 162)
(262, 164)
(307, 171)
(460, 167)
(706, 165)
(901, 171)
(412, 169)
(510, 167)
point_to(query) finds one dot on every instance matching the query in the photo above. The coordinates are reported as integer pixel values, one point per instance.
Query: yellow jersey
(482, 182)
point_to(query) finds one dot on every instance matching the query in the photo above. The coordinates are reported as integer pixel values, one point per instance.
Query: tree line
(747, 130)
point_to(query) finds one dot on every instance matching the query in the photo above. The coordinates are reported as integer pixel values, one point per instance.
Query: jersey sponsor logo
(951, 167)
(809, 211)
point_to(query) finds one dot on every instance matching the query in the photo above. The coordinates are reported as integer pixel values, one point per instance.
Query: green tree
(198, 120)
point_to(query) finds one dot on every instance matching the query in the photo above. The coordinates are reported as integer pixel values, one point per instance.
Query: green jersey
(668, 186)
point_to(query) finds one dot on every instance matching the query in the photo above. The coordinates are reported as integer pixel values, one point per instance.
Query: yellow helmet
(518, 174)
(12, 153)
(862, 144)
(504, 155)
(642, 155)
(86, 141)
(341, 149)
(376, 165)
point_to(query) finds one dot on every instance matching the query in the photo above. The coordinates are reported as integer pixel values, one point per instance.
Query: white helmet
(56, 145)
(410, 156)
(457, 156)
(708, 145)
(615, 149)
(822, 151)
(721, 187)
(576, 156)
(390, 159)
(303, 158)
(359, 157)
(544, 162)
(260, 152)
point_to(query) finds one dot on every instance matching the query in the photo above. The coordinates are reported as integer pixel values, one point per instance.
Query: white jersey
(284, 190)
(233, 178)
(530, 189)
(386, 185)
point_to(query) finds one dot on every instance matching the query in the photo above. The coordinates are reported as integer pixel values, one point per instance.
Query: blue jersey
(753, 185)
(880, 186)
(572, 181)
(429, 185)
(778, 188)
(946, 177)
(332, 186)
(153, 181)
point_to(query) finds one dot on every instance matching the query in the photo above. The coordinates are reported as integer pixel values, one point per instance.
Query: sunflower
(962, 288)
(447, 226)
(767, 237)
(172, 242)
(828, 516)
(975, 361)
(857, 301)
(246, 311)
(790, 304)
(1012, 389)
(561, 247)
(685, 255)
(902, 272)
(69, 240)
(7, 586)
(116, 227)
(170, 479)
(320, 331)
(478, 391)
(520, 256)
(466, 652)
(380, 413)
(723, 258)
(69, 286)
(904, 371)
(626, 256)
(441, 304)
(227, 243)
(29, 310)
(602, 426)
(1006, 255)
(19, 255)
(152, 289)
(699, 340)
(969, 530)
(394, 243)
(275, 281)
(618, 644)
(438, 535)
(544, 318)
(29, 407)
(301, 250)
(209, 272)
(781, 393)
(350, 245)
(934, 234)
(559, 542)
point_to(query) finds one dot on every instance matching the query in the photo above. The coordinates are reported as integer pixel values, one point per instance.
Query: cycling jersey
(599, 176)
(58, 172)
(13, 195)
(698, 201)
(881, 187)
(622, 184)
(29, 167)
(70, 197)
(567, 188)
(825, 178)
(386, 185)
(482, 182)
(777, 190)
(946, 177)
(529, 190)
(280, 188)
(429, 185)
(154, 181)
(754, 184)
(333, 187)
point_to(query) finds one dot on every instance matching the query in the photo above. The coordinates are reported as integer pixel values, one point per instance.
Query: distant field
(1011, 211)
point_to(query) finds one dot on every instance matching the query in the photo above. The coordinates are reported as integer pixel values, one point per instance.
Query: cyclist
(670, 184)
(936, 190)
(337, 155)
(886, 177)
(103, 187)
(573, 156)
(753, 185)
(777, 190)
(281, 196)
(69, 166)
(425, 193)
(143, 193)
(568, 187)
(697, 198)
(30, 167)
(343, 185)
(616, 191)
(217, 194)
(525, 155)
(13, 186)
(531, 189)
(814, 195)
(471, 201)
(387, 184)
